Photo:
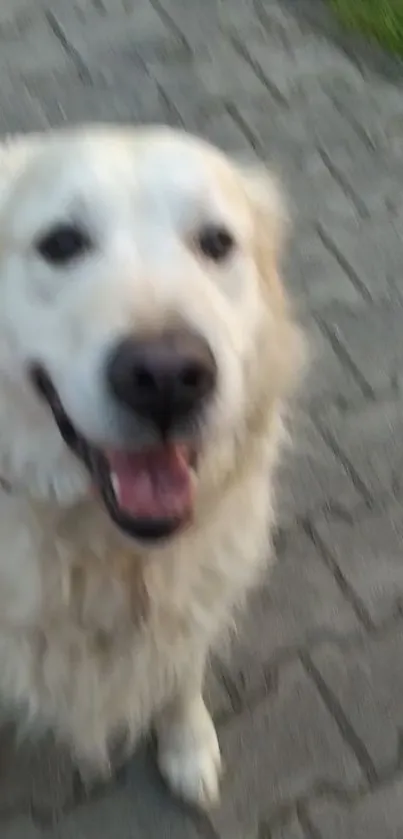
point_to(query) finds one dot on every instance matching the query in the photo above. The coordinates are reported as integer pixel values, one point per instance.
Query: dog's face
(133, 300)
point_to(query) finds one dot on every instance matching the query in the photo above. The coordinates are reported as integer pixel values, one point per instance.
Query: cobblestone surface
(310, 701)
(366, 817)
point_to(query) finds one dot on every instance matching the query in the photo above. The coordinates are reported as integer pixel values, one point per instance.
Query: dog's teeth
(115, 484)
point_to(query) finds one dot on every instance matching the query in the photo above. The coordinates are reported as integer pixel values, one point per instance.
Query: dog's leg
(188, 751)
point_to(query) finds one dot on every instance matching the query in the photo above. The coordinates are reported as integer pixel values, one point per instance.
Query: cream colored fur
(100, 635)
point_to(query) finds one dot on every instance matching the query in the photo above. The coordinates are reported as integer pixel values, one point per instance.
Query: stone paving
(310, 703)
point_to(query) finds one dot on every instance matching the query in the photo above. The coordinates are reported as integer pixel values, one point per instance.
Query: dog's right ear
(271, 221)
(268, 205)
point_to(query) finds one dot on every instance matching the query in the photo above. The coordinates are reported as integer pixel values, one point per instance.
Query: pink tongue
(153, 484)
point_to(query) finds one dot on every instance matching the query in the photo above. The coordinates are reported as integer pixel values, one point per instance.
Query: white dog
(146, 348)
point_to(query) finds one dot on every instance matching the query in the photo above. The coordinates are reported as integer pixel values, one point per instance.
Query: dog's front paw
(189, 760)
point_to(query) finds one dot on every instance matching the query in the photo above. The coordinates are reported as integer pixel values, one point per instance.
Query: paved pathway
(310, 707)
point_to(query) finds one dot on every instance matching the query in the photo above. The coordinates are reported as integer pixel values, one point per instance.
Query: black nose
(165, 379)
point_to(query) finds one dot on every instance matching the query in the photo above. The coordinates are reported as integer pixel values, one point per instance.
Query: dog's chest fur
(93, 635)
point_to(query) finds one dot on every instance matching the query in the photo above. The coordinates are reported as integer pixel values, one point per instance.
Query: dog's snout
(165, 379)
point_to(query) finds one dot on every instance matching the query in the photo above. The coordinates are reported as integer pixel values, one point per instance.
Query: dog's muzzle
(165, 381)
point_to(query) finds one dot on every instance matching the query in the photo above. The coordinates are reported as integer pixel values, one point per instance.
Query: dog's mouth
(147, 494)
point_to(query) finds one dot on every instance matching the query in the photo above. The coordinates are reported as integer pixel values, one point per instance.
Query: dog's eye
(215, 242)
(63, 243)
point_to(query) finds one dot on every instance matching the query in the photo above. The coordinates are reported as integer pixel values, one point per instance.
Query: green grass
(379, 19)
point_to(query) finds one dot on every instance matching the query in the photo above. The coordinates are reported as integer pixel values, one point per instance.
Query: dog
(147, 353)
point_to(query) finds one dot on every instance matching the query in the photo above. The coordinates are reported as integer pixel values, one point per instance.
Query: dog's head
(141, 316)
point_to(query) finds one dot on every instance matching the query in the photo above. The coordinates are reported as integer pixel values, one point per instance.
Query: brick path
(310, 706)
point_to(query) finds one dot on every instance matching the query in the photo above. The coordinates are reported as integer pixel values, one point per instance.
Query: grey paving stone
(119, 67)
(28, 43)
(311, 477)
(262, 22)
(19, 828)
(34, 775)
(65, 100)
(373, 252)
(90, 25)
(373, 338)
(318, 196)
(368, 551)
(275, 752)
(215, 694)
(298, 602)
(291, 70)
(138, 806)
(290, 831)
(19, 111)
(287, 138)
(376, 815)
(12, 9)
(197, 22)
(370, 438)
(374, 110)
(182, 85)
(327, 380)
(315, 120)
(217, 126)
(381, 195)
(212, 72)
(315, 276)
(367, 680)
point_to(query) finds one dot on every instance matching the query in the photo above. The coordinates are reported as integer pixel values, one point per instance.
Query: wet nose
(164, 379)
